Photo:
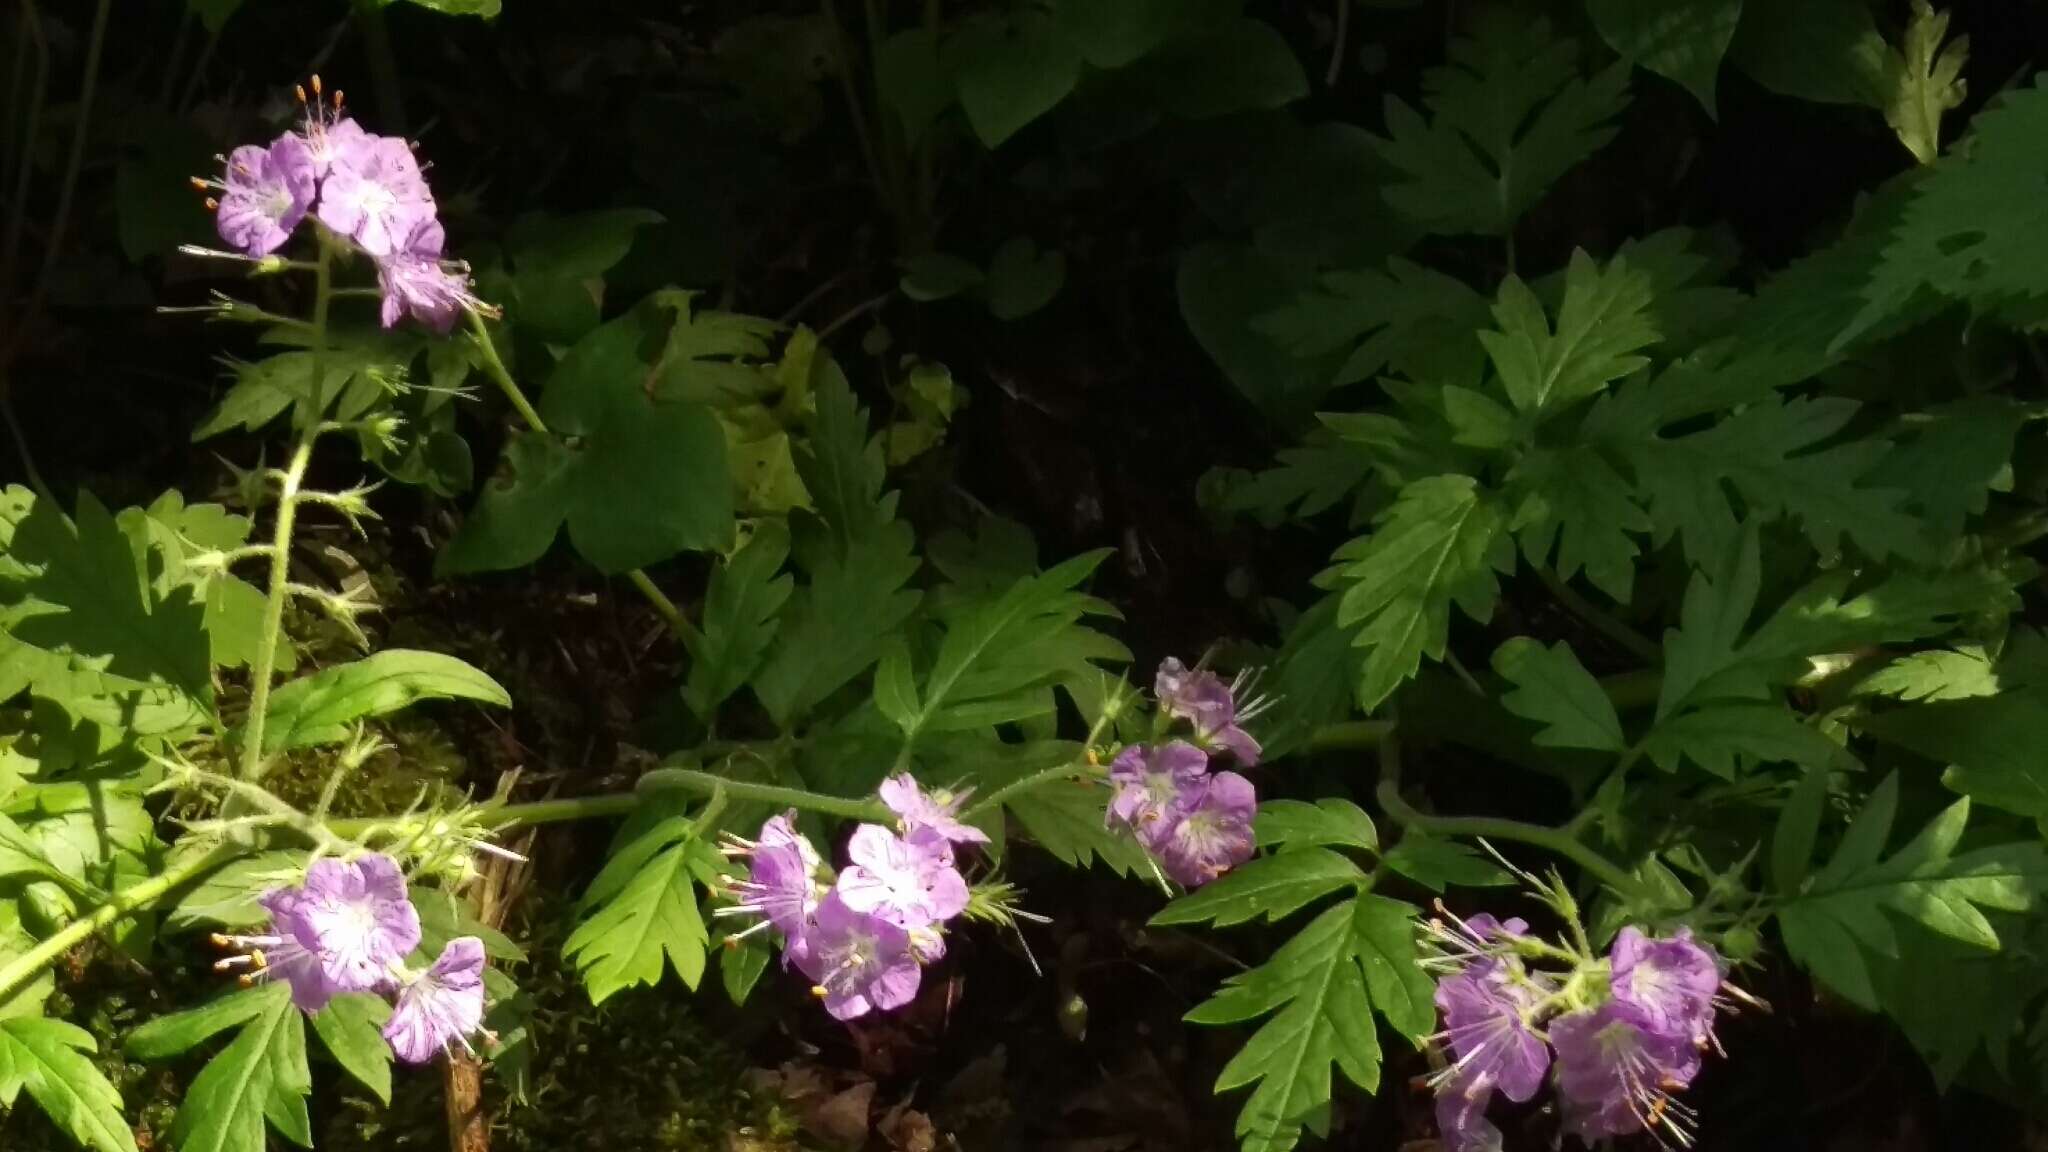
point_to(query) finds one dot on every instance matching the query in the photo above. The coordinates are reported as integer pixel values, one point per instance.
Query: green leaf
(1270, 886)
(1408, 318)
(1934, 675)
(1022, 279)
(1332, 821)
(1717, 735)
(1065, 816)
(1438, 864)
(1237, 66)
(836, 626)
(1113, 33)
(1923, 80)
(1441, 542)
(1824, 50)
(1680, 39)
(1994, 743)
(1798, 827)
(1572, 498)
(1011, 69)
(636, 478)
(16, 942)
(843, 467)
(261, 1075)
(1000, 655)
(1322, 988)
(740, 618)
(558, 262)
(1974, 229)
(911, 81)
(740, 965)
(932, 276)
(1770, 454)
(643, 914)
(227, 896)
(1555, 690)
(319, 709)
(167, 1036)
(352, 1029)
(1511, 114)
(1840, 916)
(1600, 328)
(47, 1058)
(91, 595)
(486, 9)
(1223, 289)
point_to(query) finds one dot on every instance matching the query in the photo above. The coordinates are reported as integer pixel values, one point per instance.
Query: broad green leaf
(16, 941)
(48, 1058)
(636, 478)
(740, 618)
(1934, 675)
(1000, 654)
(1322, 988)
(167, 1036)
(557, 265)
(1839, 917)
(912, 81)
(1923, 80)
(740, 966)
(1439, 864)
(1022, 278)
(933, 276)
(1332, 821)
(645, 920)
(1511, 113)
(1798, 827)
(1573, 499)
(228, 895)
(1973, 229)
(1010, 69)
(1407, 318)
(260, 1076)
(352, 1029)
(1716, 735)
(1223, 289)
(1702, 656)
(1113, 33)
(1270, 886)
(1824, 50)
(1236, 66)
(1950, 462)
(1770, 454)
(1680, 39)
(91, 595)
(1064, 815)
(1998, 745)
(319, 709)
(1601, 327)
(836, 626)
(844, 467)
(1555, 690)
(1440, 543)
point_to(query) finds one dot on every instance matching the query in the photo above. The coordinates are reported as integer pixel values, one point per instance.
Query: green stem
(1351, 734)
(1555, 840)
(1072, 769)
(264, 666)
(1602, 621)
(494, 367)
(125, 903)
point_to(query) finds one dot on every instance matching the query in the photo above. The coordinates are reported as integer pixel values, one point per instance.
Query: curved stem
(125, 903)
(703, 783)
(494, 367)
(1544, 836)
(1070, 770)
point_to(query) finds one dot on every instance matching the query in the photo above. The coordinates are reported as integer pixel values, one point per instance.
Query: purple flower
(1149, 779)
(1668, 985)
(1485, 926)
(374, 194)
(937, 810)
(328, 135)
(860, 962)
(782, 884)
(417, 282)
(1200, 697)
(1461, 1116)
(1615, 1077)
(1208, 830)
(264, 194)
(355, 917)
(441, 1006)
(278, 954)
(1491, 1042)
(910, 883)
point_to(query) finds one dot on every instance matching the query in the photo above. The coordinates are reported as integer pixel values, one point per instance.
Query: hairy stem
(1544, 836)
(494, 367)
(264, 667)
(127, 902)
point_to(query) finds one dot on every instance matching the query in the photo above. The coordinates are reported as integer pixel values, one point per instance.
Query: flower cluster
(1622, 1033)
(366, 188)
(350, 928)
(863, 936)
(1196, 822)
